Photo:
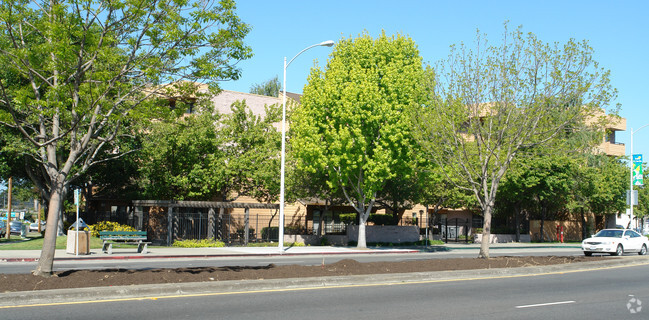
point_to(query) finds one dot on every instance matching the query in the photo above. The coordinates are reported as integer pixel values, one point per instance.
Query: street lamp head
(327, 43)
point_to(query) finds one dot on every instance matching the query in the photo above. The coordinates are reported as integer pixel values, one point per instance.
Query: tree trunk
(363, 216)
(517, 220)
(583, 225)
(542, 224)
(486, 233)
(362, 243)
(46, 261)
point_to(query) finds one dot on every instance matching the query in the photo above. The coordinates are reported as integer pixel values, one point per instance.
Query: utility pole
(8, 227)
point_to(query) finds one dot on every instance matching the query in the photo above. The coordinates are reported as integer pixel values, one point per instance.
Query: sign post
(76, 203)
(9, 191)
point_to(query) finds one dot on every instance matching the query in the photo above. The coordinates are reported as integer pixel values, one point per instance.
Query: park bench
(126, 237)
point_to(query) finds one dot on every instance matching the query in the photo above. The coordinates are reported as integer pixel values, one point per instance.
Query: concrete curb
(201, 256)
(34, 256)
(160, 291)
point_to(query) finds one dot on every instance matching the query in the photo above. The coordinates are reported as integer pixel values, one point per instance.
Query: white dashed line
(544, 304)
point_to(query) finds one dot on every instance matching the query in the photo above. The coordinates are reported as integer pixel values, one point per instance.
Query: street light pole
(631, 175)
(327, 43)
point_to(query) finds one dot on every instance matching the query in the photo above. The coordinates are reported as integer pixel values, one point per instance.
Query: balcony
(612, 149)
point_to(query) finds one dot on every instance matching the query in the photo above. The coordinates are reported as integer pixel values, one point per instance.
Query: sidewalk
(173, 252)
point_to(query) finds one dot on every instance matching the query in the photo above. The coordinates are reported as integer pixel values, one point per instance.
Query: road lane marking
(321, 287)
(545, 304)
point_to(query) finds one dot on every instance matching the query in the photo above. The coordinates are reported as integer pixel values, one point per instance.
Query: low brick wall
(386, 234)
(313, 240)
(501, 238)
(571, 230)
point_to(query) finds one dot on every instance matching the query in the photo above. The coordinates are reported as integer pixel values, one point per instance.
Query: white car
(616, 242)
(33, 227)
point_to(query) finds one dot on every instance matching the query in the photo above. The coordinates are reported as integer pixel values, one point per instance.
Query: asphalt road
(26, 267)
(597, 294)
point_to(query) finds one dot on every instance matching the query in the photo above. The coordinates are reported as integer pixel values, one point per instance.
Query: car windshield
(610, 233)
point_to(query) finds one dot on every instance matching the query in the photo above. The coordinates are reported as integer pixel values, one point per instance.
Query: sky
(618, 31)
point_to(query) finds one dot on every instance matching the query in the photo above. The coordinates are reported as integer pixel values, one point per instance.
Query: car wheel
(588, 254)
(643, 250)
(619, 251)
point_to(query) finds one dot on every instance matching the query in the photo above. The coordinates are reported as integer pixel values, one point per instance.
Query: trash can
(23, 230)
(79, 230)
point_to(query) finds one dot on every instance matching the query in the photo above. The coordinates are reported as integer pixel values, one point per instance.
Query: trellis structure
(213, 217)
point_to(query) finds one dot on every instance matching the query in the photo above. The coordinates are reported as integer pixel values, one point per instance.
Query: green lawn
(34, 241)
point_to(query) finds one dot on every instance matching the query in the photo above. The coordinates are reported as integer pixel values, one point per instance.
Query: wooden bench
(126, 237)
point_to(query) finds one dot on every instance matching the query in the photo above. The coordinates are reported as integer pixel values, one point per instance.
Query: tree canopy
(351, 126)
(77, 70)
(212, 156)
(492, 103)
(269, 88)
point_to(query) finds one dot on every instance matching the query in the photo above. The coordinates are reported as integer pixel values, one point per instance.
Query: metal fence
(191, 225)
(228, 228)
(455, 229)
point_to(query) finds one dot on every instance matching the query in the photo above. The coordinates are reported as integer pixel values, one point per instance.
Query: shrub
(108, 226)
(242, 232)
(381, 219)
(377, 219)
(270, 233)
(324, 241)
(347, 218)
(205, 243)
(295, 229)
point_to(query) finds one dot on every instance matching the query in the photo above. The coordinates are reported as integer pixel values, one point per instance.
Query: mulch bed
(121, 277)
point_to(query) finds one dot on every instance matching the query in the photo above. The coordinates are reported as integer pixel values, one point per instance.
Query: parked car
(33, 227)
(15, 227)
(615, 242)
(3, 229)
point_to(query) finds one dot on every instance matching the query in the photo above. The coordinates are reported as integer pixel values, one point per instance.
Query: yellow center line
(319, 287)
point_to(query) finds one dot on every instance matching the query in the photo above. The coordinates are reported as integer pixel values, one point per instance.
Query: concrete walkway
(173, 252)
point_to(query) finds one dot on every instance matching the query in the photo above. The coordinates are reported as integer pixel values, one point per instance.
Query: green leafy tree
(212, 156)
(8, 161)
(252, 150)
(351, 125)
(607, 181)
(180, 160)
(539, 184)
(83, 67)
(102, 181)
(269, 88)
(495, 102)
